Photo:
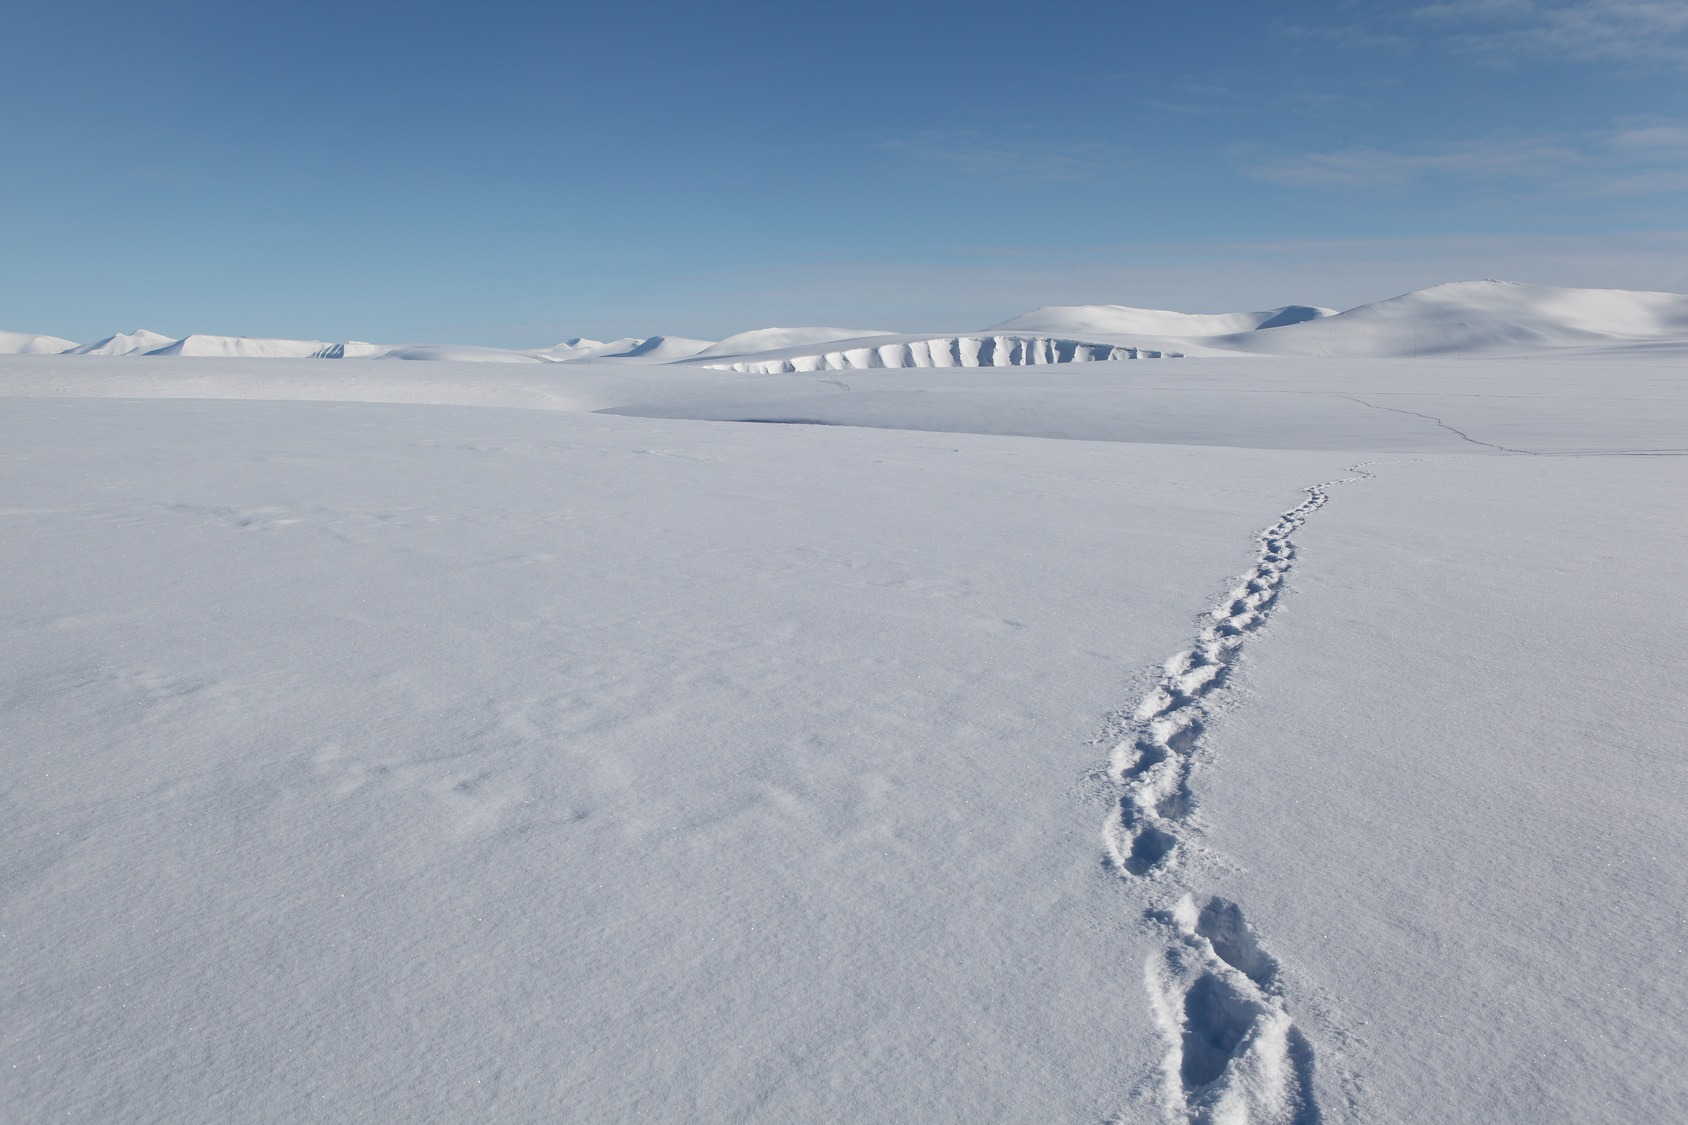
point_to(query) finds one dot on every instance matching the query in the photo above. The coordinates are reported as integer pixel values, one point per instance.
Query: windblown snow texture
(741, 772)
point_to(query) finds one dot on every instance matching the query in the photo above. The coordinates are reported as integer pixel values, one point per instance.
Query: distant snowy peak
(582, 348)
(1605, 312)
(773, 339)
(659, 349)
(27, 343)
(1123, 320)
(137, 342)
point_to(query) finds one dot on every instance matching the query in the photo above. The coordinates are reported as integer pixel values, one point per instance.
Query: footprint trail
(1234, 1055)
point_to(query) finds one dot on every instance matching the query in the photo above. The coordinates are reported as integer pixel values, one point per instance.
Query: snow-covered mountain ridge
(1457, 318)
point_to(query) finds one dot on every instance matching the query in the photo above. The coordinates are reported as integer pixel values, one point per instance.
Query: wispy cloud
(1612, 30)
(967, 290)
(974, 154)
(1638, 157)
(1510, 32)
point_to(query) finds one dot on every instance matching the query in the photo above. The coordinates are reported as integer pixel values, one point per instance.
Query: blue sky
(516, 173)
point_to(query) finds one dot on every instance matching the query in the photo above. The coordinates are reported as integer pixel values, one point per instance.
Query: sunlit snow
(1281, 727)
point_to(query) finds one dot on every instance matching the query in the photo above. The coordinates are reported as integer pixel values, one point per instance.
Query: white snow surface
(1222, 740)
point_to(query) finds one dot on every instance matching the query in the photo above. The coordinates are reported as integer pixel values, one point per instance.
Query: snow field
(394, 761)
(374, 758)
(1455, 789)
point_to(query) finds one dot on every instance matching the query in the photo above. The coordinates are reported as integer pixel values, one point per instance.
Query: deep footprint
(1221, 922)
(1216, 1020)
(1233, 1053)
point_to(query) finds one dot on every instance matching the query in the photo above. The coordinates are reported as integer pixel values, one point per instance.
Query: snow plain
(564, 742)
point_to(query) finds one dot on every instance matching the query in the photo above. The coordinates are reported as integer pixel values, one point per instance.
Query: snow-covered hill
(28, 343)
(1458, 318)
(1475, 317)
(244, 347)
(773, 339)
(138, 342)
(581, 348)
(1122, 320)
(658, 349)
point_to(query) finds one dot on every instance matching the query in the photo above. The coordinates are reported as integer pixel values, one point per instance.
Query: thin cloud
(990, 284)
(1511, 32)
(1609, 30)
(1362, 167)
(1637, 158)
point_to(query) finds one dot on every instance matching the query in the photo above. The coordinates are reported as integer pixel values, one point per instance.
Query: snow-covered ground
(560, 742)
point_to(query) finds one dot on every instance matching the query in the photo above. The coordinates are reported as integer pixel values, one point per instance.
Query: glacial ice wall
(947, 351)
